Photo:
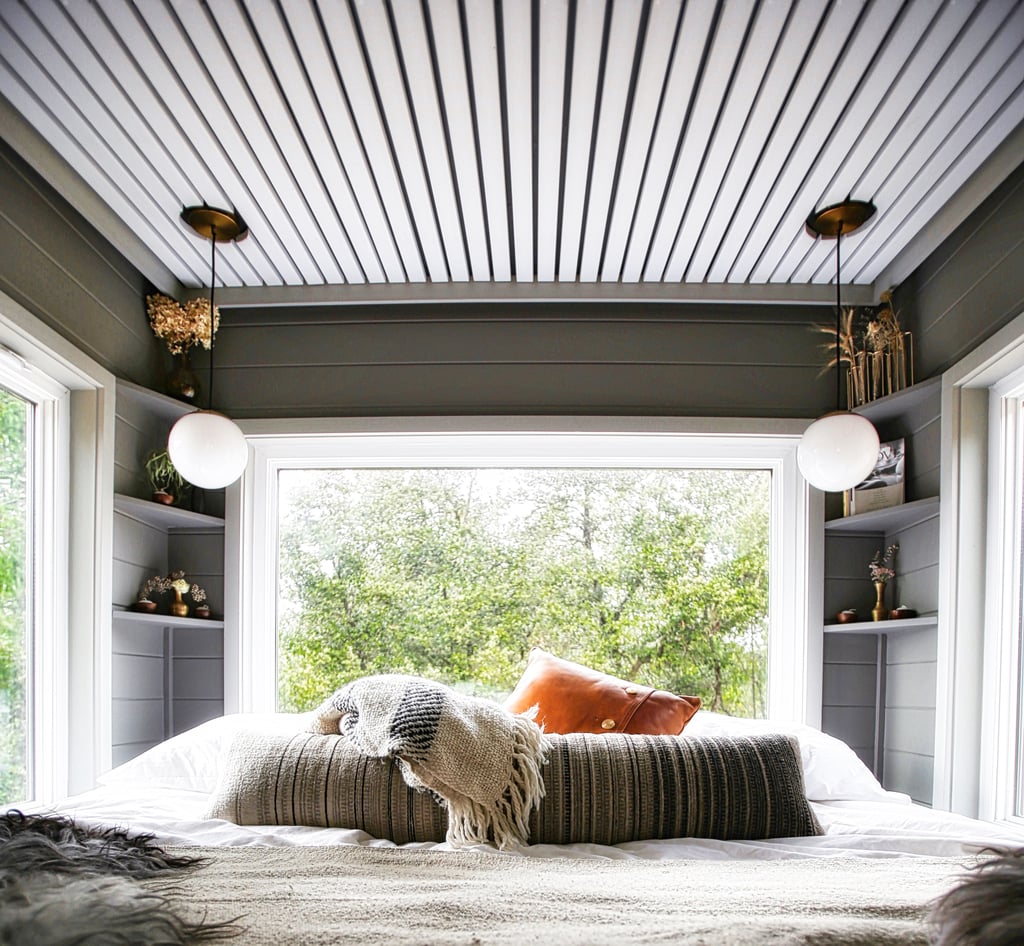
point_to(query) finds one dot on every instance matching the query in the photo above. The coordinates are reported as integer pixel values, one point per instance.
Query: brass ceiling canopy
(840, 219)
(213, 224)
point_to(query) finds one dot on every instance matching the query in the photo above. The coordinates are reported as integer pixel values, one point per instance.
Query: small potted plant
(148, 587)
(166, 481)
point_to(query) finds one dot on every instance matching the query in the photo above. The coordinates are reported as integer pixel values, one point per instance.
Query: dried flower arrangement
(881, 566)
(175, 582)
(879, 358)
(182, 326)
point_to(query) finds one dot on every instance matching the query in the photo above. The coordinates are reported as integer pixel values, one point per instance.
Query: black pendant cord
(213, 280)
(839, 315)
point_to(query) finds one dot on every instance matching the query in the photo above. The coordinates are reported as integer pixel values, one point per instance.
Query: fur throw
(986, 908)
(480, 761)
(65, 884)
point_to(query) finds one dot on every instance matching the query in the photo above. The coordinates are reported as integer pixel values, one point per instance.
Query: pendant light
(207, 448)
(841, 448)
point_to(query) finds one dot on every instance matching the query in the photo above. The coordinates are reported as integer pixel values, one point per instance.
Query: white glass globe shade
(838, 451)
(208, 449)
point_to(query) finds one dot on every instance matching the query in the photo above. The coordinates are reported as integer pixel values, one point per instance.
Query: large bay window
(329, 557)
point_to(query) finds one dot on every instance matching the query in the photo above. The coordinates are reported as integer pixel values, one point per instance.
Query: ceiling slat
(718, 71)
(340, 216)
(446, 31)
(587, 46)
(611, 129)
(417, 62)
(257, 104)
(550, 100)
(725, 227)
(481, 36)
(743, 95)
(680, 89)
(518, 59)
(386, 72)
(821, 146)
(869, 115)
(365, 135)
(658, 41)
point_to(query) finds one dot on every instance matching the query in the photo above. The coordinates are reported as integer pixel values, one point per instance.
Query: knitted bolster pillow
(603, 789)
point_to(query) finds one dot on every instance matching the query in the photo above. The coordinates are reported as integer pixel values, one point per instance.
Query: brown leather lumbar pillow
(572, 698)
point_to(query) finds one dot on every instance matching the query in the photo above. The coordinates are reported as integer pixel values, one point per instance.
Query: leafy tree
(654, 575)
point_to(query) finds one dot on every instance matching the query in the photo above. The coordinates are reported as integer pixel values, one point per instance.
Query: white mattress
(167, 790)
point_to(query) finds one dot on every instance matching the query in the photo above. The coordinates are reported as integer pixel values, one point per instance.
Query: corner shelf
(883, 627)
(166, 517)
(164, 407)
(165, 620)
(899, 402)
(892, 518)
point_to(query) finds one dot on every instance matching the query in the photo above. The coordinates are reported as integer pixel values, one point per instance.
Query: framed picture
(884, 485)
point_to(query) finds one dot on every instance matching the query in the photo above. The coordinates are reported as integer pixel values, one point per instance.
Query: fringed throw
(481, 762)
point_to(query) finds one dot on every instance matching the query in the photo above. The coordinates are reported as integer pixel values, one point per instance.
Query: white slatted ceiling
(400, 141)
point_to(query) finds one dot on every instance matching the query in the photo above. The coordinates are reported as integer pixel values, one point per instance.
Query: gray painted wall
(57, 266)
(972, 285)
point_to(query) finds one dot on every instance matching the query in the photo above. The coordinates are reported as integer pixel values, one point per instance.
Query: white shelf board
(887, 520)
(165, 620)
(165, 517)
(883, 627)
(168, 408)
(893, 405)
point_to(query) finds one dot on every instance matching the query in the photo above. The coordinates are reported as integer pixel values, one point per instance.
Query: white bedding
(166, 790)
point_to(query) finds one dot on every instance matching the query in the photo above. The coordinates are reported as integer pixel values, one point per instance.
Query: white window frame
(979, 550)
(795, 627)
(73, 552)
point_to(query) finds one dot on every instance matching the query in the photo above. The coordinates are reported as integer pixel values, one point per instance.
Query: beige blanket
(405, 897)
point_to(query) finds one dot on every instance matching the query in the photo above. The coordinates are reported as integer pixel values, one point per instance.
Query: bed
(868, 877)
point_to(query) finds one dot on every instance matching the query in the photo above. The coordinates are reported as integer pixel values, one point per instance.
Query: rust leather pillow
(572, 698)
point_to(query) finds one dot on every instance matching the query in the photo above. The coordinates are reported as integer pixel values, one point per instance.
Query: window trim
(970, 762)
(73, 679)
(794, 681)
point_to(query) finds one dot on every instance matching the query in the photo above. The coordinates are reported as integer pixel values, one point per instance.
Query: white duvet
(166, 790)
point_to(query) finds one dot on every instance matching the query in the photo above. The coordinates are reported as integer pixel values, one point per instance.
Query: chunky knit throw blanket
(480, 761)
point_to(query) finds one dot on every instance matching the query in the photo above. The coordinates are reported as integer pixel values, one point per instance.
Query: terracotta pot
(161, 497)
(146, 606)
(201, 611)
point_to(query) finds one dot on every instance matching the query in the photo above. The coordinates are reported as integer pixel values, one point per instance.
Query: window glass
(655, 575)
(15, 595)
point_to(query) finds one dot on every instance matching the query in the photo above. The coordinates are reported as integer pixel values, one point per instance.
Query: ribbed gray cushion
(604, 789)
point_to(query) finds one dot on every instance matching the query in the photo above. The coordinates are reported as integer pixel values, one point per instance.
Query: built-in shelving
(167, 671)
(164, 516)
(891, 519)
(879, 675)
(891, 626)
(165, 620)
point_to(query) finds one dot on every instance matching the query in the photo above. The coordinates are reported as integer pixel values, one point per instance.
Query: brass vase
(178, 607)
(182, 382)
(879, 612)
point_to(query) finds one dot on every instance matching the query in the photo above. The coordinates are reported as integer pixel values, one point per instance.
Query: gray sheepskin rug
(65, 884)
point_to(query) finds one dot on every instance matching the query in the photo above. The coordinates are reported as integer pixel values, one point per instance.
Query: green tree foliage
(658, 576)
(13, 531)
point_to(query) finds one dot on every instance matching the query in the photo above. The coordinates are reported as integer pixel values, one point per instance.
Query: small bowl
(897, 614)
(146, 606)
(845, 617)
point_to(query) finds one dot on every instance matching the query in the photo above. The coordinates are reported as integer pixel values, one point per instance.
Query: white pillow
(193, 759)
(832, 770)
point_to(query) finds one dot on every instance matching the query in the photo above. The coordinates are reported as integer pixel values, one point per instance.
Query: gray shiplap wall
(57, 266)
(972, 285)
(712, 359)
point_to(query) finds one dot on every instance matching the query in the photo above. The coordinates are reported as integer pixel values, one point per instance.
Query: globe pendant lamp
(207, 448)
(841, 448)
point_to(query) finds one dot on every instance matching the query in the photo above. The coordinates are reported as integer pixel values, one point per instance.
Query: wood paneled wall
(57, 266)
(707, 360)
(972, 285)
